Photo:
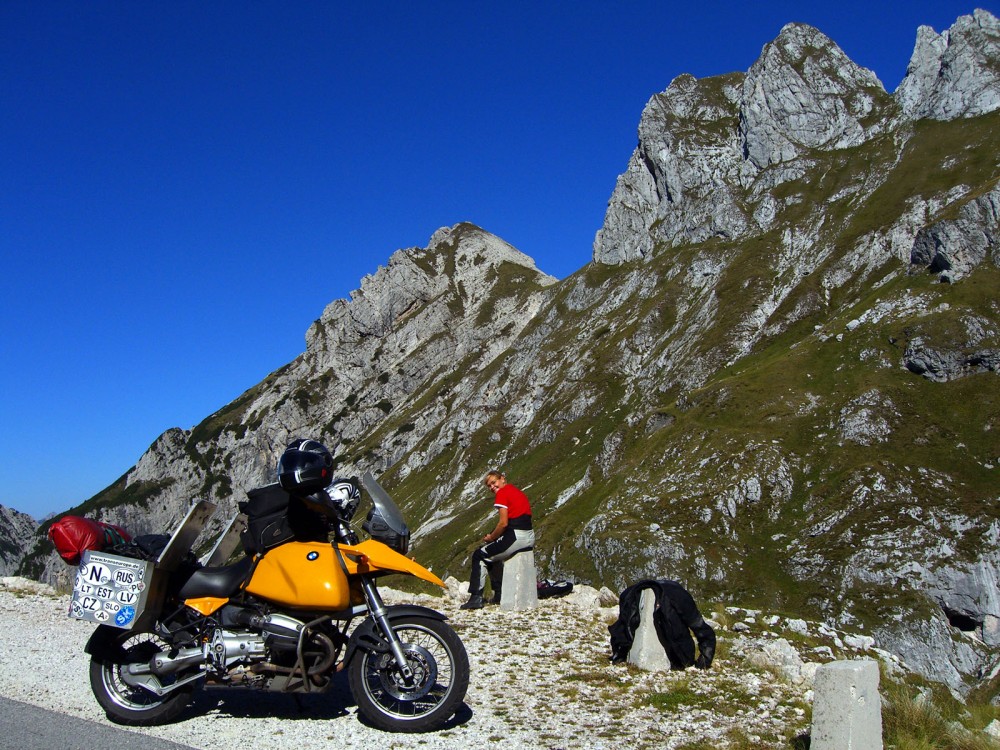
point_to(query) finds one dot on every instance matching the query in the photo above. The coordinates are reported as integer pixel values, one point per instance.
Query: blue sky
(187, 184)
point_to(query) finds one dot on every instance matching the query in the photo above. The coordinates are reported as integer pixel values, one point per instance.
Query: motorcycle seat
(217, 582)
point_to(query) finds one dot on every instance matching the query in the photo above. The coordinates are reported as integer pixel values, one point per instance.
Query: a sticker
(124, 616)
(125, 578)
(127, 597)
(90, 604)
(96, 573)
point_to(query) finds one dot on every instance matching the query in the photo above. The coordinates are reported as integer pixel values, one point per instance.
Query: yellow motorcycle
(286, 617)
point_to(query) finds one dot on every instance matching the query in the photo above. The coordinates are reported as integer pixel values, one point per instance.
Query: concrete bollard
(520, 582)
(847, 709)
(647, 652)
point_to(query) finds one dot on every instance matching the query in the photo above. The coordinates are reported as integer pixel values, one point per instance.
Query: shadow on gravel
(462, 716)
(260, 704)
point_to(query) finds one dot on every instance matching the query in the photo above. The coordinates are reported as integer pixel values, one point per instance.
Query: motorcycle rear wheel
(441, 677)
(127, 704)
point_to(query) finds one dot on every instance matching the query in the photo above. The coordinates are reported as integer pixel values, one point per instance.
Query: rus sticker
(125, 578)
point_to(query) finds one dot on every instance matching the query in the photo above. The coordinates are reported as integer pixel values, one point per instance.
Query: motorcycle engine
(263, 652)
(229, 649)
(277, 632)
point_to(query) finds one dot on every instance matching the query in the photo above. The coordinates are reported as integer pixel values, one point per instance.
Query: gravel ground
(540, 679)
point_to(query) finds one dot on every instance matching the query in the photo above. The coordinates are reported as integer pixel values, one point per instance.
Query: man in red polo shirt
(513, 533)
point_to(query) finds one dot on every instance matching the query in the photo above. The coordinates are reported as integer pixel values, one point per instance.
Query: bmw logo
(312, 556)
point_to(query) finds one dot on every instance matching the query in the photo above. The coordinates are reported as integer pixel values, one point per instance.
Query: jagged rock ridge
(759, 387)
(17, 532)
(953, 74)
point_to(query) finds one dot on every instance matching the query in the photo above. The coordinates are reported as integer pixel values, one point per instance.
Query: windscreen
(384, 504)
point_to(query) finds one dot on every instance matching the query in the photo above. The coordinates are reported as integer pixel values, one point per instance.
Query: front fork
(381, 616)
(378, 609)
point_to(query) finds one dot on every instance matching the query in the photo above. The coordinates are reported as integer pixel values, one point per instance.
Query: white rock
(859, 642)
(584, 597)
(797, 626)
(993, 728)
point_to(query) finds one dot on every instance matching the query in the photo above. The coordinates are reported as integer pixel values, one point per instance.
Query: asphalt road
(26, 727)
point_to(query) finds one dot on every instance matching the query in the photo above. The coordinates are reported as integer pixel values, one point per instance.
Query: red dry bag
(72, 535)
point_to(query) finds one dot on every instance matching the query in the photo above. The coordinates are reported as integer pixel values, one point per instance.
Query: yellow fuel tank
(305, 575)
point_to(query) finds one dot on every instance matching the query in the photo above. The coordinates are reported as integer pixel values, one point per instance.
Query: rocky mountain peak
(474, 246)
(704, 144)
(713, 154)
(803, 93)
(954, 74)
(418, 293)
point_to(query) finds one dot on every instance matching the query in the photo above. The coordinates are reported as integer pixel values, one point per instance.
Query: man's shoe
(475, 602)
(495, 599)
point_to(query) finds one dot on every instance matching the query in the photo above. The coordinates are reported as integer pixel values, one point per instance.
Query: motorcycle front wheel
(440, 678)
(128, 704)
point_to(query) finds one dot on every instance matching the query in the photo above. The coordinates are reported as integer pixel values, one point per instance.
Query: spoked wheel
(440, 678)
(131, 704)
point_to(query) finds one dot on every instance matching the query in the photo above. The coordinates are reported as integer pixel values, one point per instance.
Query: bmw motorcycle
(286, 618)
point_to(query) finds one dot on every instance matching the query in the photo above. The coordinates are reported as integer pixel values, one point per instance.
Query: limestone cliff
(17, 532)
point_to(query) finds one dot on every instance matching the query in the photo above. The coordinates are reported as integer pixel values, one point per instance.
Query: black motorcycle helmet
(304, 467)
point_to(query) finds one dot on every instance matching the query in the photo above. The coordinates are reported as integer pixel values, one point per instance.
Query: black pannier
(275, 517)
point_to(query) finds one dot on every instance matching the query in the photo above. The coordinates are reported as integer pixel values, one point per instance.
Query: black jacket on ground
(675, 617)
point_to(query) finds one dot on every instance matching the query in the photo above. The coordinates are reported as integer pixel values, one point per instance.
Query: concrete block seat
(520, 582)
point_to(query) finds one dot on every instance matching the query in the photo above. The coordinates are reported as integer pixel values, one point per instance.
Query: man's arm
(500, 528)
